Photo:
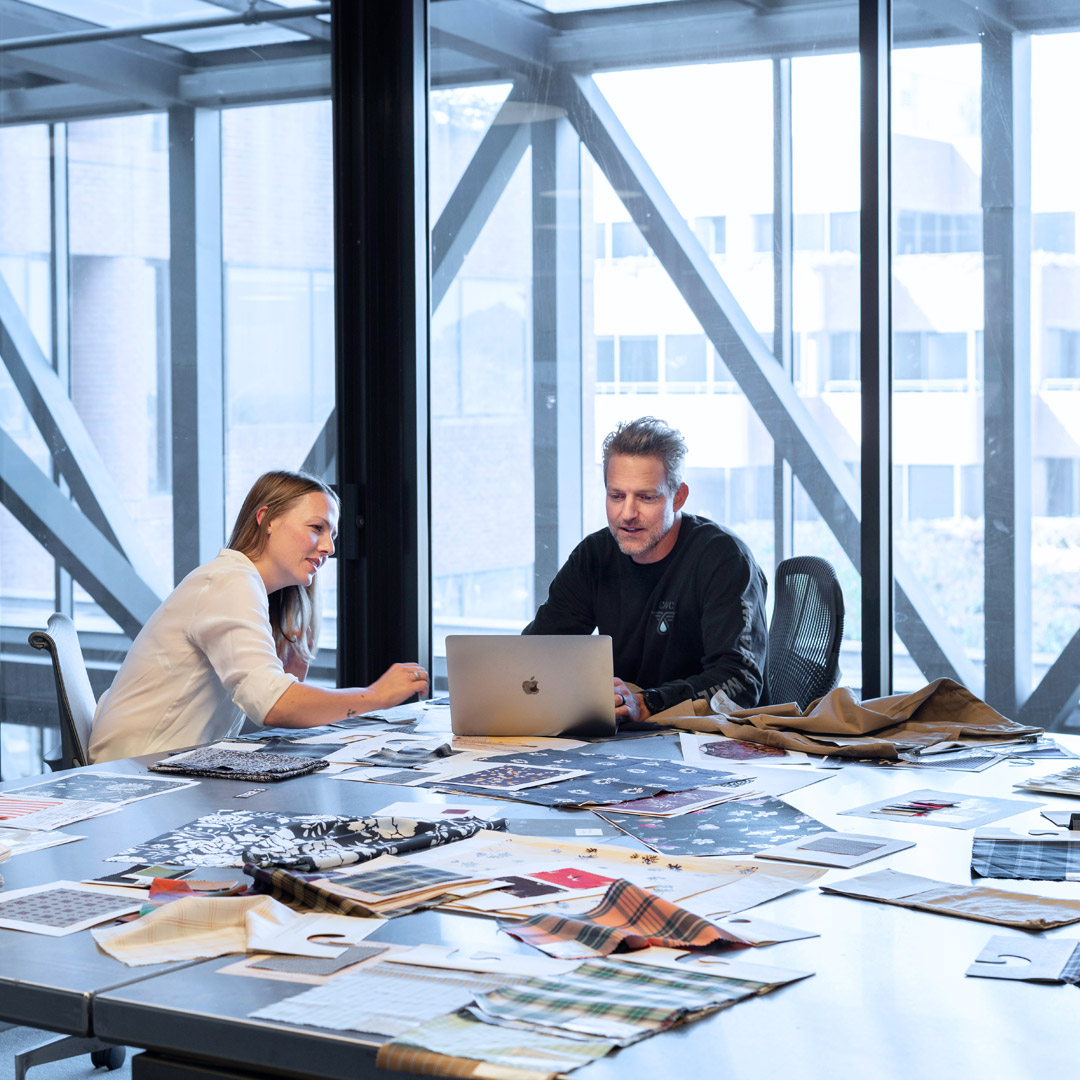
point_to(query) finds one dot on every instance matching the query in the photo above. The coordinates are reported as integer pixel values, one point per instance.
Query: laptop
(534, 684)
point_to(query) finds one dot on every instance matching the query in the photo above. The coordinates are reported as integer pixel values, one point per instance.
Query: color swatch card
(674, 804)
(949, 809)
(716, 751)
(104, 787)
(20, 841)
(61, 908)
(835, 849)
(36, 813)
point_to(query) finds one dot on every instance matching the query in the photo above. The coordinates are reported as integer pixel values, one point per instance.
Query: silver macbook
(502, 684)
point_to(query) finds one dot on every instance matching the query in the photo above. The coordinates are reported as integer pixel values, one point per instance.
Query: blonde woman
(237, 635)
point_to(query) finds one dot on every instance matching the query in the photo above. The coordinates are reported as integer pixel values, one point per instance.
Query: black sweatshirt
(687, 626)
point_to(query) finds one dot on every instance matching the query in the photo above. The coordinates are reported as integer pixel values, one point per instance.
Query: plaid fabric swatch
(456, 1044)
(612, 999)
(1070, 973)
(397, 879)
(628, 917)
(1032, 860)
(298, 890)
(310, 892)
(240, 765)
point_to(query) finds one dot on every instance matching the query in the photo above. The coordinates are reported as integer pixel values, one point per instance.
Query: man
(681, 597)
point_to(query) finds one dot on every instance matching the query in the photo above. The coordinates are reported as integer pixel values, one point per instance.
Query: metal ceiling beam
(61, 101)
(242, 84)
(306, 25)
(137, 70)
(95, 32)
(74, 453)
(476, 194)
(71, 538)
(495, 35)
(774, 399)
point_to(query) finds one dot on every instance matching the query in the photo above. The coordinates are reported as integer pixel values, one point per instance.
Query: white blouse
(207, 652)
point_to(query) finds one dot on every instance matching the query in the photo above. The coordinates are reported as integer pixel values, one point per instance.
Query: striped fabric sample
(1031, 860)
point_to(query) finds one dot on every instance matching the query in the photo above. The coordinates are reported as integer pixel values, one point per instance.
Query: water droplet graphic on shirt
(662, 628)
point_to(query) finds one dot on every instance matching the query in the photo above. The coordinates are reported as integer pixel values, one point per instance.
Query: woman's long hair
(295, 611)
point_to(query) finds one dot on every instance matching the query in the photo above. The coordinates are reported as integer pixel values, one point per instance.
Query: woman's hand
(398, 682)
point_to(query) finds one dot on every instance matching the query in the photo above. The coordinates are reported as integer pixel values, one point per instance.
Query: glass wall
(97, 196)
(709, 184)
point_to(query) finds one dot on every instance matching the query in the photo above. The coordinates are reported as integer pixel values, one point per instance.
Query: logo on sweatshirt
(664, 616)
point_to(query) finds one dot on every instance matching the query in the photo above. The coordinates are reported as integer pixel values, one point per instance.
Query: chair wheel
(110, 1059)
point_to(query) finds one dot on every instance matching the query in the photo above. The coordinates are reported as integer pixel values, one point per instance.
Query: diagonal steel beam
(1057, 693)
(784, 414)
(321, 459)
(477, 192)
(66, 436)
(71, 538)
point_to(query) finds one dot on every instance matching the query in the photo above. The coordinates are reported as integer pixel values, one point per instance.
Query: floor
(15, 1039)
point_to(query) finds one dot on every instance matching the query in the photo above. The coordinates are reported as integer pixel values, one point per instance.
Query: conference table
(888, 996)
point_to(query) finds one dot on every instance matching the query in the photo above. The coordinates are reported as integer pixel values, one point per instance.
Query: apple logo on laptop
(530, 686)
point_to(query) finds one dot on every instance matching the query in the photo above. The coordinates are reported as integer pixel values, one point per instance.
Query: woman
(238, 634)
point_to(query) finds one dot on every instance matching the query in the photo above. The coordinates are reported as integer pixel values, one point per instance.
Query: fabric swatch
(627, 918)
(1023, 911)
(609, 780)
(61, 908)
(452, 1045)
(303, 842)
(609, 999)
(104, 787)
(259, 767)
(315, 965)
(1026, 858)
(199, 927)
(385, 999)
(733, 828)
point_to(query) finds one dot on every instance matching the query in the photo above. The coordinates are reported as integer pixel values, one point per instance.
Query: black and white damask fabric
(259, 767)
(300, 842)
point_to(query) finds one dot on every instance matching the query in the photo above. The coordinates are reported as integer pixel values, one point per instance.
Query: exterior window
(809, 232)
(1062, 360)
(1055, 232)
(684, 358)
(626, 240)
(844, 231)
(638, 362)
(930, 492)
(605, 359)
(763, 232)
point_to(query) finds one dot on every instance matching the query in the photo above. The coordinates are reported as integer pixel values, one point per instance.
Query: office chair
(74, 694)
(75, 698)
(803, 661)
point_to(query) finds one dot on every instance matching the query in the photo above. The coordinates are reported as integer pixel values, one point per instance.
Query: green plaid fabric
(645, 998)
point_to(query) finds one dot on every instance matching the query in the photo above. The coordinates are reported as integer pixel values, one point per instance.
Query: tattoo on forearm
(350, 712)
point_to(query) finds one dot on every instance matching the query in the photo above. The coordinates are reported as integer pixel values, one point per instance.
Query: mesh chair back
(807, 626)
(74, 694)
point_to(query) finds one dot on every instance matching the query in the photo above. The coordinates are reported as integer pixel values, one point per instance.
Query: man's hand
(628, 705)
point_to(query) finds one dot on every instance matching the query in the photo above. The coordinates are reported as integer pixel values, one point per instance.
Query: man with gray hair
(681, 597)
